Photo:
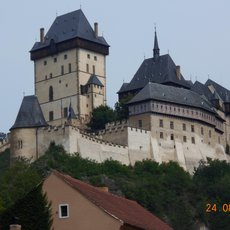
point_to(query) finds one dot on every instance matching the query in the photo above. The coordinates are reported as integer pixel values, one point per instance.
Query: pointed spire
(156, 50)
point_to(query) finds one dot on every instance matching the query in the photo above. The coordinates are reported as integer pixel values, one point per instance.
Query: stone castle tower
(70, 69)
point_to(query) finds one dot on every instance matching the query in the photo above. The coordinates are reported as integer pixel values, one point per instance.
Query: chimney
(15, 227)
(42, 37)
(178, 74)
(96, 29)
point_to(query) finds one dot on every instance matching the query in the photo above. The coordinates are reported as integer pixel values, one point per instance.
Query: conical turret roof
(30, 114)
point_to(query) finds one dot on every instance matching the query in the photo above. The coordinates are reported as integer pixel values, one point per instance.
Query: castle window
(210, 133)
(161, 135)
(202, 131)
(87, 105)
(172, 137)
(87, 68)
(140, 123)
(88, 56)
(65, 112)
(184, 139)
(63, 211)
(70, 69)
(19, 144)
(65, 56)
(193, 140)
(45, 62)
(161, 123)
(51, 75)
(95, 58)
(171, 125)
(46, 77)
(184, 127)
(55, 59)
(66, 85)
(51, 116)
(94, 69)
(62, 69)
(192, 128)
(51, 93)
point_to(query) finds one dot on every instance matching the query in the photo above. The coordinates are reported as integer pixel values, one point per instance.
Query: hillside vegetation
(165, 190)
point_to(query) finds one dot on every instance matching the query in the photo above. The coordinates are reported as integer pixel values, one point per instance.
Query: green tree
(33, 212)
(4, 161)
(121, 108)
(211, 186)
(16, 181)
(100, 116)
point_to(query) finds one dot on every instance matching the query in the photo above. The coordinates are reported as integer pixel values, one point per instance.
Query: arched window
(51, 93)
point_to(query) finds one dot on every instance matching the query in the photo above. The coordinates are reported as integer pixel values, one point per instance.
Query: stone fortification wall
(141, 144)
(89, 146)
(115, 132)
(5, 144)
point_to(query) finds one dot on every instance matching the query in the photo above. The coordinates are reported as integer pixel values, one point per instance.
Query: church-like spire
(156, 50)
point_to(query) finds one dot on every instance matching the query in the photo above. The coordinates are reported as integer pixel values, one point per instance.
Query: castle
(170, 118)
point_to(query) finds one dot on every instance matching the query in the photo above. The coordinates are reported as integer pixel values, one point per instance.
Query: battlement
(4, 144)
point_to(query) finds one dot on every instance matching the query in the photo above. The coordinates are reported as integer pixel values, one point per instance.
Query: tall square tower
(70, 69)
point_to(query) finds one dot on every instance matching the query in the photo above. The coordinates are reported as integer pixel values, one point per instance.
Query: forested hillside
(166, 190)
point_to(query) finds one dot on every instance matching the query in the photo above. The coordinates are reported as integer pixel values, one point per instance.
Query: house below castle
(170, 118)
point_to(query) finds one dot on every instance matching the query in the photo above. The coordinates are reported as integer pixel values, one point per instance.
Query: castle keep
(69, 67)
(170, 118)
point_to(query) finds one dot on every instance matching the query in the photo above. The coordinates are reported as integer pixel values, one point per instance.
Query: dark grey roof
(202, 89)
(69, 26)
(160, 70)
(30, 114)
(123, 87)
(223, 93)
(94, 80)
(159, 92)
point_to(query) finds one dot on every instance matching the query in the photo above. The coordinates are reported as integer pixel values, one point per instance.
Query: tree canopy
(100, 116)
(164, 189)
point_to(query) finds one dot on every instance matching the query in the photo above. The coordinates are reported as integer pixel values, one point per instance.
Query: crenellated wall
(119, 141)
(5, 144)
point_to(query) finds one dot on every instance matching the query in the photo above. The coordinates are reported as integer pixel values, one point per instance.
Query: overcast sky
(195, 33)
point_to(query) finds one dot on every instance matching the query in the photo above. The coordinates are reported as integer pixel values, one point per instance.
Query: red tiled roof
(128, 211)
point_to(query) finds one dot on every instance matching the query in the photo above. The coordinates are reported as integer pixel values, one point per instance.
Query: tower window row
(62, 72)
(184, 127)
(55, 59)
(95, 57)
(87, 68)
(172, 137)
